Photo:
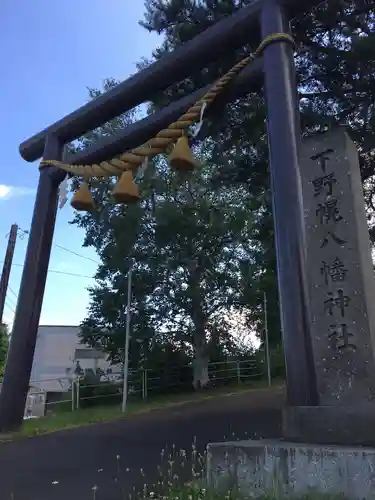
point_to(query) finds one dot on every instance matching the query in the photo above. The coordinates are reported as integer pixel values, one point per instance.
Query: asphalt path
(119, 457)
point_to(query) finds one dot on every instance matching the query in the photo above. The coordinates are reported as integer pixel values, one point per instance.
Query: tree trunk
(201, 358)
(200, 368)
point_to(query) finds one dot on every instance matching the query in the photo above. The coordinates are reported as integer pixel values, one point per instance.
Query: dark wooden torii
(248, 25)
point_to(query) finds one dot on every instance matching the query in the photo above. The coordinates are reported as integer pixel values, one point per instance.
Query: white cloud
(7, 192)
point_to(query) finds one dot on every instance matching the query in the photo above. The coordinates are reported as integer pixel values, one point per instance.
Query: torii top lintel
(226, 35)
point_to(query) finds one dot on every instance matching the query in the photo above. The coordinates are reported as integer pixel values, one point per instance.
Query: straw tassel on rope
(82, 199)
(126, 190)
(133, 159)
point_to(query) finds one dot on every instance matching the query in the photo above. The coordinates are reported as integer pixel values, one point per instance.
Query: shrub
(94, 392)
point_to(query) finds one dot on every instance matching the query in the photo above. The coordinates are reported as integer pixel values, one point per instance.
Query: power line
(9, 288)
(62, 272)
(11, 301)
(9, 307)
(65, 273)
(77, 254)
(22, 233)
(70, 274)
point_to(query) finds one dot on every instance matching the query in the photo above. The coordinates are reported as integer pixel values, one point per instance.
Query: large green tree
(188, 238)
(180, 290)
(335, 66)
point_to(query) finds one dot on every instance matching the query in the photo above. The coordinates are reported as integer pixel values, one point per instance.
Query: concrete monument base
(340, 425)
(263, 467)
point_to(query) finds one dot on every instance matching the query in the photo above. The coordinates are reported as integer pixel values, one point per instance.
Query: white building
(57, 353)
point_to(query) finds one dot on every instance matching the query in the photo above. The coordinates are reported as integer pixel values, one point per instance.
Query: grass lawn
(78, 418)
(197, 492)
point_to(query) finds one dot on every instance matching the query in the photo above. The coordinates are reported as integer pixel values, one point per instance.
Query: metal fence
(70, 394)
(145, 383)
(46, 394)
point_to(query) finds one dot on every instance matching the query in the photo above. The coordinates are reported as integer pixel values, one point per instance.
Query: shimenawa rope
(131, 160)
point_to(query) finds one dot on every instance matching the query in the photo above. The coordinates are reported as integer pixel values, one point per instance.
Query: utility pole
(127, 339)
(267, 348)
(7, 268)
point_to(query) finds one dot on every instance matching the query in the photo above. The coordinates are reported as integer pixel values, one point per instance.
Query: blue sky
(50, 52)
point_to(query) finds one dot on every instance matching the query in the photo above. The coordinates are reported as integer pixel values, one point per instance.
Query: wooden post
(25, 328)
(288, 213)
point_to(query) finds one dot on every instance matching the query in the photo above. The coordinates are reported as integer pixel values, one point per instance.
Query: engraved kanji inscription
(334, 272)
(324, 184)
(339, 302)
(322, 158)
(342, 337)
(328, 211)
(331, 236)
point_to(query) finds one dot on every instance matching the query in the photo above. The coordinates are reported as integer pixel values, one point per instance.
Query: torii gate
(258, 21)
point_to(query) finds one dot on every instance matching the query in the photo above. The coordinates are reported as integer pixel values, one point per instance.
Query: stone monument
(329, 447)
(342, 296)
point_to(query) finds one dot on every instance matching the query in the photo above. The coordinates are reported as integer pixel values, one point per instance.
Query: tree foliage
(4, 343)
(203, 246)
(335, 60)
(188, 239)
